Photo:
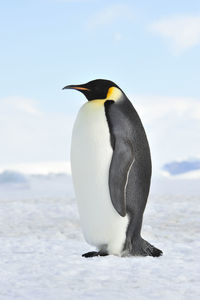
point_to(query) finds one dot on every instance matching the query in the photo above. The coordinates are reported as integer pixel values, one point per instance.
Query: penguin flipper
(121, 163)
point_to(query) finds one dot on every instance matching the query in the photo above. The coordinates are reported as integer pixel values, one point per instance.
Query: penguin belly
(91, 155)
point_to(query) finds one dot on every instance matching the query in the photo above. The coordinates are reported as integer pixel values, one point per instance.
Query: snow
(41, 245)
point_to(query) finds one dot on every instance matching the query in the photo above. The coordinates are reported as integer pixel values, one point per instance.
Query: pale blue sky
(150, 48)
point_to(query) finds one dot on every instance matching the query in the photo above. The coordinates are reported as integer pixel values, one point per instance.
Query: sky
(151, 49)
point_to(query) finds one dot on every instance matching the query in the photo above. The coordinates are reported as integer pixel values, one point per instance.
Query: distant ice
(182, 167)
(39, 168)
(12, 177)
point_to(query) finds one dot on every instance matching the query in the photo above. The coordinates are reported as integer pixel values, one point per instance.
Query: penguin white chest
(91, 155)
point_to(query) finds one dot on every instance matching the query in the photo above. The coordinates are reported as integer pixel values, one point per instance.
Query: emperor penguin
(111, 171)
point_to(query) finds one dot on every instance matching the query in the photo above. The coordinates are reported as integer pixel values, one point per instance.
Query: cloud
(118, 36)
(172, 126)
(155, 108)
(20, 104)
(29, 135)
(109, 15)
(182, 32)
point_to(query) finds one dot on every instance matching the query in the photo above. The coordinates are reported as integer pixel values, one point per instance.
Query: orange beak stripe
(80, 88)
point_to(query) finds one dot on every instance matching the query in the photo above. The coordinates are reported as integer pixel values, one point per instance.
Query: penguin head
(95, 89)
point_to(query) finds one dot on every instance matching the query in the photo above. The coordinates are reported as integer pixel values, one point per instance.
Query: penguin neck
(114, 94)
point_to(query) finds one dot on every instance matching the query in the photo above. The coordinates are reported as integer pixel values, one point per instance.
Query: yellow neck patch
(113, 94)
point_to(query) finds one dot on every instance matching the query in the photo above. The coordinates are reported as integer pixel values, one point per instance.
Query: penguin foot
(90, 254)
(94, 253)
(150, 250)
(144, 248)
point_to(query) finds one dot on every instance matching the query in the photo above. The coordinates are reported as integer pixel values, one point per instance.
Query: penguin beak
(75, 87)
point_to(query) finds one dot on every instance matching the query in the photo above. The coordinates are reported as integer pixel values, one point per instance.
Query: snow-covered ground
(41, 245)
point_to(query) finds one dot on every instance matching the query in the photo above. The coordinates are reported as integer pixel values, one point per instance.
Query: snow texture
(41, 246)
